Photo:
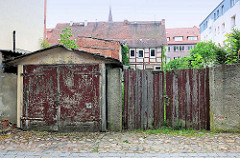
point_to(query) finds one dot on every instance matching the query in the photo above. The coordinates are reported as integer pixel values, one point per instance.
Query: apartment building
(221, 21)
(180, 41)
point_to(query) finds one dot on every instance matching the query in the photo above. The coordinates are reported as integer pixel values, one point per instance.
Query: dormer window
(179, 38)
(192, 38)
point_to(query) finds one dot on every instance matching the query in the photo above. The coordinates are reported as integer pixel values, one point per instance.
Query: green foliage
(66, 39)
(125, 58)
(232, 46)
(182, 63)
(163, 57)
(44, 44)
(180, 132)
(203, 54)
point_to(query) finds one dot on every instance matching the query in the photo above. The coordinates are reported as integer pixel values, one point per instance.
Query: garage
(67, 90)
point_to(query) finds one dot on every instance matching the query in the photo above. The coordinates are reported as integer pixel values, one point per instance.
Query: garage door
(61, 97)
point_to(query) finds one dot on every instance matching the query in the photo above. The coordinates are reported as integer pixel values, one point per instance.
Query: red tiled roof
(133, 33)
(106, 47)
(185, 33)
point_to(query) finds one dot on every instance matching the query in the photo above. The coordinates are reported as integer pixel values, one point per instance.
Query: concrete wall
(8, 97)
(26, 17)
(114, 99)
(225, 98)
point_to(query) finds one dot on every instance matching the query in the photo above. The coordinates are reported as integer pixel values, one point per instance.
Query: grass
(182, 132)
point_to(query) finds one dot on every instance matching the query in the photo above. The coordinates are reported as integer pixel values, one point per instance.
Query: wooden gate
(61, 97)
(188, 98)
(143, 99)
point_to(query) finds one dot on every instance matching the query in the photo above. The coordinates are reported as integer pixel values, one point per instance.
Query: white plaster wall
(26, 17)
(219, 36)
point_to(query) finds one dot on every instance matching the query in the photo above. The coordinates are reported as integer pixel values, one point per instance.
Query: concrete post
(114, 99)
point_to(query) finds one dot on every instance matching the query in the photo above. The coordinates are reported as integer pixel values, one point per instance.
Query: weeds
(182, 132)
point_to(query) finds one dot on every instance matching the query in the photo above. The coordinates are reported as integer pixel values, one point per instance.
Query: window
(168, 59)
(189, 47)
(140, 53)
(217, 13)
(223, 27)
(181, 48)
(222, 9)
(233, 20)
(214, 16)
(175, 48)
(192, 38)
(157, 68)
(233, 2)
(178, 38)
(169, 48)
(218, 29)
(168, 38)
(152, 52)
(132, 53)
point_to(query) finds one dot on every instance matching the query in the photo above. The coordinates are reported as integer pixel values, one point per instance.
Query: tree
(44, 44)
(163, 58)
(232, 46)
(125, 58)
(66, 39)
(182, 63)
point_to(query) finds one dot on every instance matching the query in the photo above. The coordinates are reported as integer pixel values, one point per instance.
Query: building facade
(221, 21)
(25, 20)
(144, 39)
(180, 41)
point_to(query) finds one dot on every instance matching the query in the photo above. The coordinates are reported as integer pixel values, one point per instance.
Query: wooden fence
(187, 99)
(143, 99)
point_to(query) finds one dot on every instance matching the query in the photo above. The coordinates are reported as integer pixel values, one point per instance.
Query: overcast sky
(178, 13)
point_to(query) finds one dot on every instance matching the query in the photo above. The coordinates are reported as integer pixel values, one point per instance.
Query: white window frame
(192, 38)
(131, 54)
(233, 21)
(176, 46)
(138, 53)
(168, 38)
(177, 38)
(223, 27)
(151, 52)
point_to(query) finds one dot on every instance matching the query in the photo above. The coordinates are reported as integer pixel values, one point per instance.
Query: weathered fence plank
(143, 99)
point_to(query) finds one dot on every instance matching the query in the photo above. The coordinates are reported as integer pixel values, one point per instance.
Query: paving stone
(222, 154)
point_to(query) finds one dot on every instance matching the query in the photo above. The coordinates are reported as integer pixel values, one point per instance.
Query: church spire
(110, 15)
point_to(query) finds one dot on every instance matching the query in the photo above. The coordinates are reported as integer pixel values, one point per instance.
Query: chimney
(14, 41)
(85, 22)
(45, 17)
(125, 22)
(163, 21)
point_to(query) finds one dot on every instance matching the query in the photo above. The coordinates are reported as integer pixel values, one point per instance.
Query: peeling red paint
(61, 95)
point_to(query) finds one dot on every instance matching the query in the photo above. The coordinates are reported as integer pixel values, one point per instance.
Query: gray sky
(178, 13)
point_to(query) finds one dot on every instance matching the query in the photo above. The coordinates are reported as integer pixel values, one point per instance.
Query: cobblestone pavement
(126, 144)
